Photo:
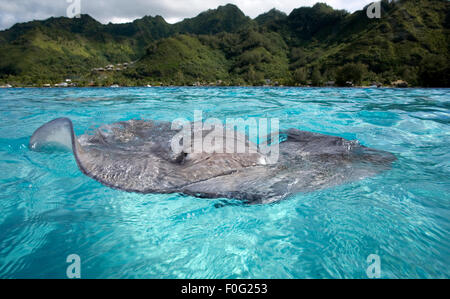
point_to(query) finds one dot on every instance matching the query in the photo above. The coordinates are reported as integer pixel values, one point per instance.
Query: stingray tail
(56, 134)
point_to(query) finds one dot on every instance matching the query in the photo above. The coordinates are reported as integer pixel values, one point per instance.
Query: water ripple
(50, 210)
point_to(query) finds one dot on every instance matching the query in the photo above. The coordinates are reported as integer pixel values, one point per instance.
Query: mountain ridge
(309, 46)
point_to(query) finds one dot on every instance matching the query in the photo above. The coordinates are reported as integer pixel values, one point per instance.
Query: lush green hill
(403, 44)
(311, 45)
(37, 52)
(272, 16)
(228, 18)
(181, 59)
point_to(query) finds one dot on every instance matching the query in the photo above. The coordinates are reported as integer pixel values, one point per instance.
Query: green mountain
(270, 17)
(402, 44)
(181, 59)
(228, 18)
(314, 23)
(311, 45)
(47, 50)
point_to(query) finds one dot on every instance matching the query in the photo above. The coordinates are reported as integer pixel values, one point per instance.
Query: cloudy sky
(120, 11)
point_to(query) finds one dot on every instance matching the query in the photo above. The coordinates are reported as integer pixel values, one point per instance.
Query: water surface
(49, 209)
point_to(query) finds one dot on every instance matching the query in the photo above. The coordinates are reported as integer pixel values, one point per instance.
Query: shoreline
(218, 86)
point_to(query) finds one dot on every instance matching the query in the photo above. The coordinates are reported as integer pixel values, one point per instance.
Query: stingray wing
(136, 155)
(307, 162)
(120, 160)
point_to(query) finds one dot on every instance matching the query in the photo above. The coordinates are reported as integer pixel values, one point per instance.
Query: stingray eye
(180, 158)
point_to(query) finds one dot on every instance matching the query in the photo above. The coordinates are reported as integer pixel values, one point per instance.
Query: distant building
(375, 84)
(400, 84)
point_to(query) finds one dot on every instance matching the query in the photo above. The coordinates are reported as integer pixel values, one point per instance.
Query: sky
(122, 11)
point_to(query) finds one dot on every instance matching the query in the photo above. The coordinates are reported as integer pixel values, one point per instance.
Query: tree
(316, 77)
(353, 72)
(434, 72)
(300, 75)
(254, 77)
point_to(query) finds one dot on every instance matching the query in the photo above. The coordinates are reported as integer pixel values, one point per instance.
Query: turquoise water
(49, 209)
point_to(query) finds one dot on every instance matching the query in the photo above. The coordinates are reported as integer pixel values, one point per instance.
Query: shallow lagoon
(51, 210)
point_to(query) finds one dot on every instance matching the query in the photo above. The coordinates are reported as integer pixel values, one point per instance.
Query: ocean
(50, 210)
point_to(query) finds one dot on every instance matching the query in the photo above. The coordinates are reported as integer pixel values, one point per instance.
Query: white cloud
(119, 11)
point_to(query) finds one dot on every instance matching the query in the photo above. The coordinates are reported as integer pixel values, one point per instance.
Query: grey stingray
(136, 156)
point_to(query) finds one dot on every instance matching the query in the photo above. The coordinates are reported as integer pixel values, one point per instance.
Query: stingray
(136, 156)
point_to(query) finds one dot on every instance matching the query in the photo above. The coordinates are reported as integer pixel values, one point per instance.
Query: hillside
(181, 59)
(404, 44)
(228, 18)
(311, 45)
